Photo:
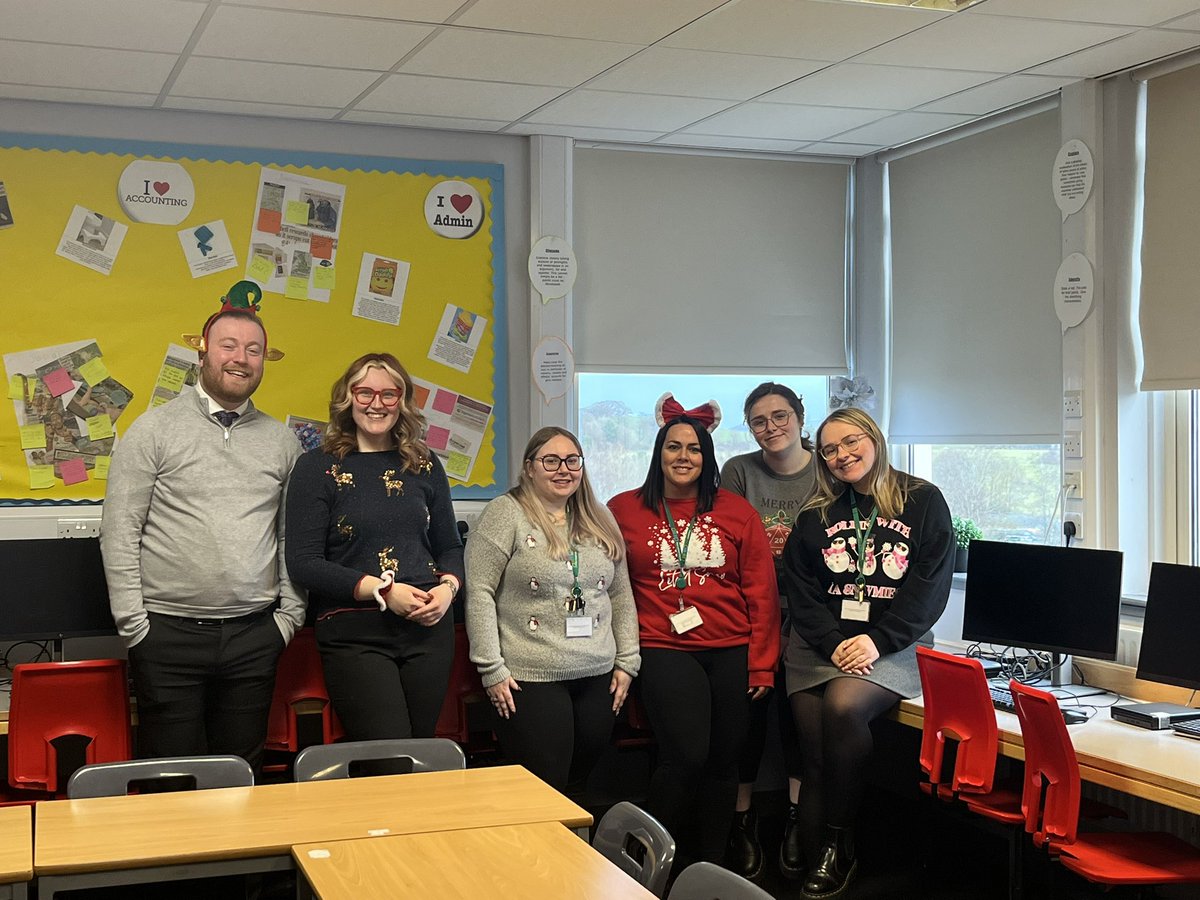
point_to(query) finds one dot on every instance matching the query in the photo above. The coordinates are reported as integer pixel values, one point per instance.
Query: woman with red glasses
(371, 533)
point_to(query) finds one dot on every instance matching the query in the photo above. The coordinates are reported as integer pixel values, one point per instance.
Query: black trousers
(204, 685)
(775, 705)
(697, 705)
(387, 677)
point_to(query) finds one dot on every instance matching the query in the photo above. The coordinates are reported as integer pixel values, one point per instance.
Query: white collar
(214, 406)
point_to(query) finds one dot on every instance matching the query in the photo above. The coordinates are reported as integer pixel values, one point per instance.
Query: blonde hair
(341, 435)
(590, 521)
(883, 483)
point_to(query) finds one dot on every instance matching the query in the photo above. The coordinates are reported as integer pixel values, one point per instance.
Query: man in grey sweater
(192, 539)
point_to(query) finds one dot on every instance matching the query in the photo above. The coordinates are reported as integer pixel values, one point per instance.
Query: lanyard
(680, 551)
(861, 536)
(576, 604)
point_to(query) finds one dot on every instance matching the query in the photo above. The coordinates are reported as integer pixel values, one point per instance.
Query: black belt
(228, 620)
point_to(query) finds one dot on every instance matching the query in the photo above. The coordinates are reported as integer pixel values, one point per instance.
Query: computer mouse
(1074, 716)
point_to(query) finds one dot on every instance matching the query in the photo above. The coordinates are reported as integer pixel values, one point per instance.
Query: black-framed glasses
(779, 419)
(850, 442)
(389, 397)
(552, 463)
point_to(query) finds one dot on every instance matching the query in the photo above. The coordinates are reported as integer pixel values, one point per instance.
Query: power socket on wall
(1073, 404)
(1073, 445)
(1073, 485)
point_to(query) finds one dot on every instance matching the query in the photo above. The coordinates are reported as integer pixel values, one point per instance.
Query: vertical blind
(706, 264)
(975, 245)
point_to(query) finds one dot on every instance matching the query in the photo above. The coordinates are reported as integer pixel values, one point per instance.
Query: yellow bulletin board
(149, 298)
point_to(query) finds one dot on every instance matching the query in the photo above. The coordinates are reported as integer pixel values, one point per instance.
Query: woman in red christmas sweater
(703, 579)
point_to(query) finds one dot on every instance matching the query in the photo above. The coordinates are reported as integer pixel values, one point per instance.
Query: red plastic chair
(1050, 799)
(464, 689)
(300, 678)
(89, 698)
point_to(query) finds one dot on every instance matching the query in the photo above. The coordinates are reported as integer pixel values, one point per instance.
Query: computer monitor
(1066, 600)
(1170, 653)
(53, 589)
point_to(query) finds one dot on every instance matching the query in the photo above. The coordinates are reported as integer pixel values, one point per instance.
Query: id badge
(579, 626)
(856, 610)
(685, 620)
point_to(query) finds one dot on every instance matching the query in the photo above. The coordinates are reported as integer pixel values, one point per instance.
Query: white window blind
(1170, 312)
(975, 245)
(701, 263)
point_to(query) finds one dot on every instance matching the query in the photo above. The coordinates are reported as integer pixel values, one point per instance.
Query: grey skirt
(807, 668)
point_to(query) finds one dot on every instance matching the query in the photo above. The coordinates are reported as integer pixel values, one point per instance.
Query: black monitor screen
(1061, 599)
(52, 589)
(1169, 653)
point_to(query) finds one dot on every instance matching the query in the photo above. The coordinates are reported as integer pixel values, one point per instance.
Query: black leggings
(560, 728)
(834, 724)
(697, 705)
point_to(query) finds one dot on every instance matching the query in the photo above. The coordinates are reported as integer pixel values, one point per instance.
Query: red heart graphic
(161, 187)
(460, 202)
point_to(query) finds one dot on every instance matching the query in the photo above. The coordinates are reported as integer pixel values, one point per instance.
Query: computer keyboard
(1188, 729)
(1002, 699)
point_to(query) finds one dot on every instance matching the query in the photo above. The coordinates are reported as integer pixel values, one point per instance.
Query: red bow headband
(668, 409)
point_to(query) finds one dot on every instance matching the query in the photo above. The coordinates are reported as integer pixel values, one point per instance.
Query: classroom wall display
(97, 301)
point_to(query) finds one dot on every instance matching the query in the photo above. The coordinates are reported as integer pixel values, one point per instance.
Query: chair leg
(1016, 864)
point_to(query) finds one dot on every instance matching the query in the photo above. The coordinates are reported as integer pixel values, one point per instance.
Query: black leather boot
(791, 849)
(745, 854)
(835, 868)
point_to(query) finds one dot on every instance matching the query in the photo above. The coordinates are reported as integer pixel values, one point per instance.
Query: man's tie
(225, 417)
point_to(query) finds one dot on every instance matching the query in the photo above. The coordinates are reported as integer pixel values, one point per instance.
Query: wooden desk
(511, 862)
(1154, 765)
(16, 850)
(154, 837)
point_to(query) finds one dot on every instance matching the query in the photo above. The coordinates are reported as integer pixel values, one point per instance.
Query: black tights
(834, 725)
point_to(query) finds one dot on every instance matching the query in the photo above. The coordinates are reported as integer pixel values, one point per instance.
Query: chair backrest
(957, 702)
(299, 677)
(325, 762)
(453, 722)
(708, 881)
(51, 700)
(113, 779)
(625, 823)
(1050, 796)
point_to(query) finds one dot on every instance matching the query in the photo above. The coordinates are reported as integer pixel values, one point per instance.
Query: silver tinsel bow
(847, 392)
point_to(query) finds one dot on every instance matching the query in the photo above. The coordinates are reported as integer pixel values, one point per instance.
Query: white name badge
(579, 626)
(855, 611)
(685, 620)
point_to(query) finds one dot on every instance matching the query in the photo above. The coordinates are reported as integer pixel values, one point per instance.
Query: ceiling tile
(75, 95)
(1112, 12)
(902, 128)
(269, 35)
(428, 96)
(242, 108)
(699, 73)
(57, 65)
(802, 29)
(1187, 23)
(1124, 53)
(621, 135)
(723, 142)
(443, 123)
(878, 87)
(834, 148)
(786, 122)
(637, 21)
(235, 79)
(999, 94)
(635, 112)
(520, 58)
(989, 43)
(120, 24)
(436, 11)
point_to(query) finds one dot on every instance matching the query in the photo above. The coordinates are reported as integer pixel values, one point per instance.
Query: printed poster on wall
(457, 424)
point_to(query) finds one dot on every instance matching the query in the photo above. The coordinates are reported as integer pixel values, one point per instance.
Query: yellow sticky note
(458, 465)
(99, 427)
(158, 400)
(41, 477)
(324, 278)
(261, 269)
(94, 371)
(296, 288)
(171, 378)
(101, 471)
(297, 212)
(16, 388)
(33, 437)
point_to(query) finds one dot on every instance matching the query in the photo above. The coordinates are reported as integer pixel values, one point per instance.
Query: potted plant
(965, 531)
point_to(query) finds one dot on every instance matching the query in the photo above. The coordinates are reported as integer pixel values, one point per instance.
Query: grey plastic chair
(706, 881)
(113, 779)
(325, 762)
(625, 822)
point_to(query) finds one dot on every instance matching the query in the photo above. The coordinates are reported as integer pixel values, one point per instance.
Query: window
(617, 428)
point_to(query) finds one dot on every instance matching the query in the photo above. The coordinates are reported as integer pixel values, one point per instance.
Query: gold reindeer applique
(344, 528)
(388, 563)
(392, 483)
(340, 478)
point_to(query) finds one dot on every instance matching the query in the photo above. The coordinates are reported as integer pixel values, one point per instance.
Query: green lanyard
(861, 537)
(576, 604)
(680, 551)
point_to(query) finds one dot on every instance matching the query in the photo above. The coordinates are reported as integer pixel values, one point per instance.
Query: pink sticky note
(72, 471)
(59, 382)
(443, 401)
(437, 437)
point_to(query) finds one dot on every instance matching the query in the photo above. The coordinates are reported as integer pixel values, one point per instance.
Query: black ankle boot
(835, 868)
(791, 849)
(745, 854)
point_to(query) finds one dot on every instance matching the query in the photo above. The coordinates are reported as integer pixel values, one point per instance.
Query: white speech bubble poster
(1073, 290)
(553, 367)
(552, 267)
(1072, 178)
